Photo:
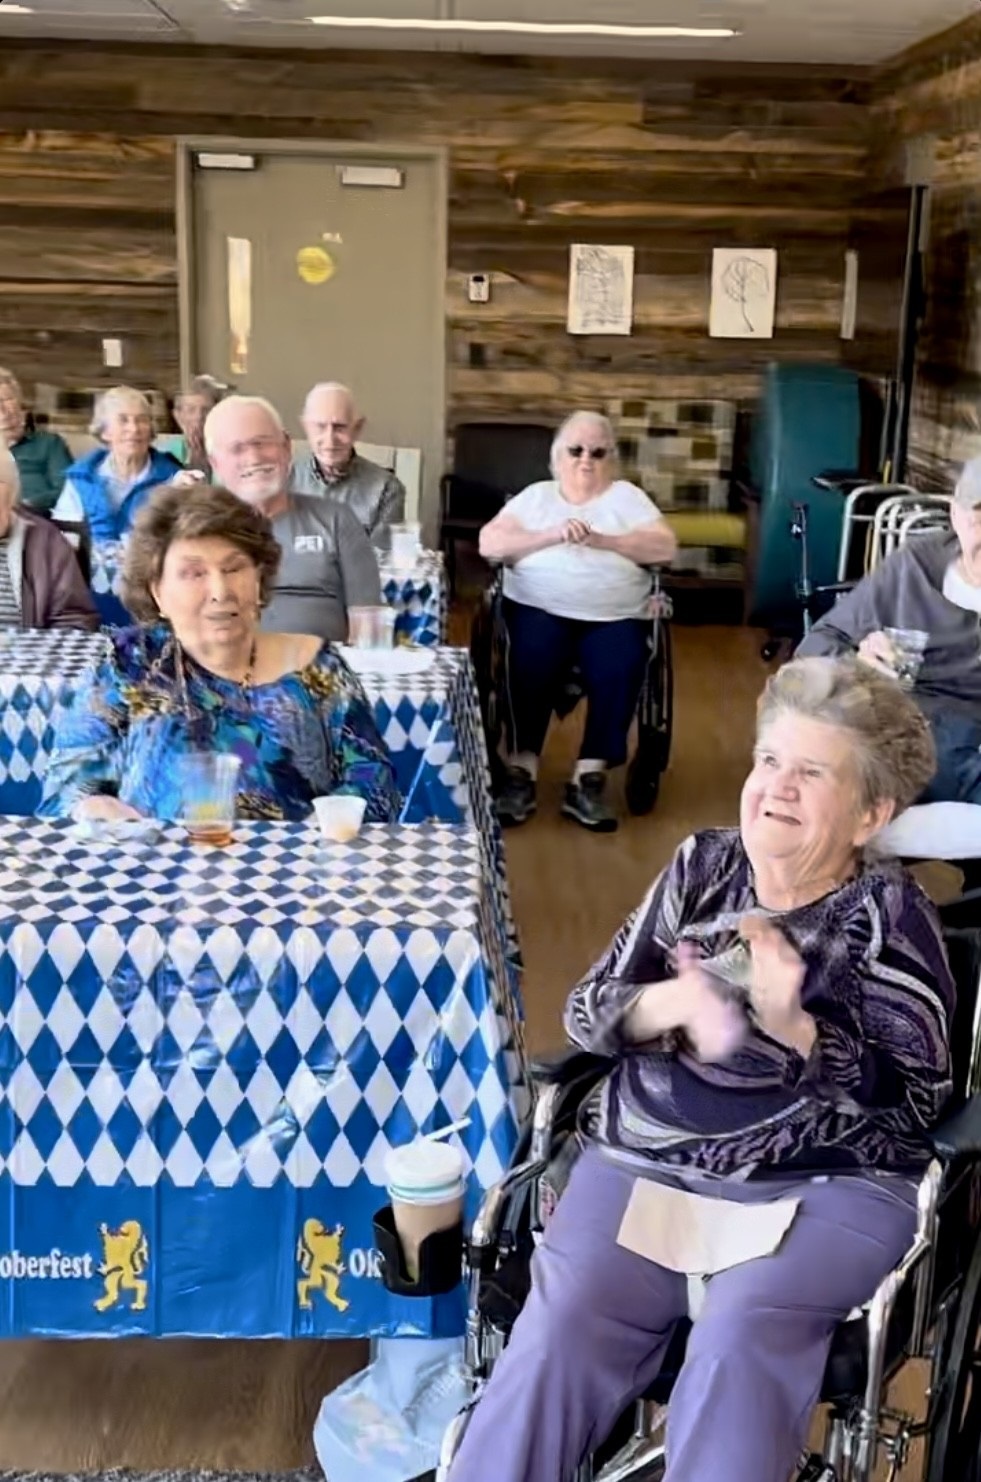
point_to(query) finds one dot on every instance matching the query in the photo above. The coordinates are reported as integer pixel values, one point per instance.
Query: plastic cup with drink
(406, 543)
(909, 646)
(208, 784)
(371, 627)
(426, 1186)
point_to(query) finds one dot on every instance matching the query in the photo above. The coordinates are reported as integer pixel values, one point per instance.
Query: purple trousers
(593, 1332)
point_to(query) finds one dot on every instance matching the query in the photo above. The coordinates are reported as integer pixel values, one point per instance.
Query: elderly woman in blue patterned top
(778, 1013)
(201, 676)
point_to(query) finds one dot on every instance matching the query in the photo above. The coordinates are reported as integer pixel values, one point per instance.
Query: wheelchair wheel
(955, 1443)
(654, 724)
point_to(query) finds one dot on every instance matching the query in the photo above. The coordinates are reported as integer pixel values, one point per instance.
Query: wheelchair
(928, 1307)
(489, 651)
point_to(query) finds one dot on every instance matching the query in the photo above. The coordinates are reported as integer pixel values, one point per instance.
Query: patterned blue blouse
(299, 737)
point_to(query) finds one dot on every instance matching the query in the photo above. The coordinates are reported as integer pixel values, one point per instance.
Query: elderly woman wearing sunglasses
(576, 549)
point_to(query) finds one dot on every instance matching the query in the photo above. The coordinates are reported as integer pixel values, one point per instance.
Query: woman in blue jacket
(106, 487)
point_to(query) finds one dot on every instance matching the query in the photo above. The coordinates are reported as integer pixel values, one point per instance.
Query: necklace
(246, 679)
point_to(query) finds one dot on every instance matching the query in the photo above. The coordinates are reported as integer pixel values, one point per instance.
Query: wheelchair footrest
(440, 1259)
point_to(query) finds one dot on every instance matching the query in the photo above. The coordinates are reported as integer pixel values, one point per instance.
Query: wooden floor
(75, 1406)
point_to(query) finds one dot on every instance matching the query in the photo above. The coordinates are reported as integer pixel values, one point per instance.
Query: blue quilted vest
(104, 522)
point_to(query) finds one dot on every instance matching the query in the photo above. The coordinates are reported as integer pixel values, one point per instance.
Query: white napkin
(400, 660)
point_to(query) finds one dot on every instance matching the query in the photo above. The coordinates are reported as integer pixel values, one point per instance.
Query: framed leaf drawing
(744, 293)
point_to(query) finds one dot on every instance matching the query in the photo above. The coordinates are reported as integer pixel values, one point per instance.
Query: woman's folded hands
(692, 1003)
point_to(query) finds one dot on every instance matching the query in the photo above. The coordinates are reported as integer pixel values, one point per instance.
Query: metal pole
(908, 335)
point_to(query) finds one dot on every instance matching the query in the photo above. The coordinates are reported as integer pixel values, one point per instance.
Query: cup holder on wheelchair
(440, 1259)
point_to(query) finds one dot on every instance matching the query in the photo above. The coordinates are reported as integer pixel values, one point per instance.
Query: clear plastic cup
(208, 783)
(339, 817)
(371, 627)
(910, 645)
(406, 543)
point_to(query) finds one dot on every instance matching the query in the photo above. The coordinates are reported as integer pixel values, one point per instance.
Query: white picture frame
(601, 289)
(744, 293)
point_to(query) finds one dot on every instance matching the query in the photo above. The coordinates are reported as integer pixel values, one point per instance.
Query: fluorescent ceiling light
(520, 28)
(16, 10)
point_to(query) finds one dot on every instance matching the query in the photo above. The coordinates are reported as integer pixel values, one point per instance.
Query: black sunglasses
(597, 454)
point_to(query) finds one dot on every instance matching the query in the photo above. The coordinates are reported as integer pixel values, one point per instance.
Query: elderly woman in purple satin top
(778, 1013)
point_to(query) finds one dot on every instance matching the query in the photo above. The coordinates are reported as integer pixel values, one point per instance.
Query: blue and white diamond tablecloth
(417, 715)
(418, 593)
(205, 1056)
(39, 672)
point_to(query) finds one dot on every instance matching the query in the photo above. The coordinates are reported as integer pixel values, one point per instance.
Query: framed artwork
(744, 293)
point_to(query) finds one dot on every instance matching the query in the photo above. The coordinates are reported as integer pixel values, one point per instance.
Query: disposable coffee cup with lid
(424, 1172)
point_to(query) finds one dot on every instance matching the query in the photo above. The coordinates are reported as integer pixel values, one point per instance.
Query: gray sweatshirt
(906, 591)
(328, 565)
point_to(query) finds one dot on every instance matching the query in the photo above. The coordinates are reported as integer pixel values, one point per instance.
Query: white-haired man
(328, 564)
(334, 468)
(105, 488)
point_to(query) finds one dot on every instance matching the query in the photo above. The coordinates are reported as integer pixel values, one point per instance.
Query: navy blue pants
(958, 742)
(612, 661)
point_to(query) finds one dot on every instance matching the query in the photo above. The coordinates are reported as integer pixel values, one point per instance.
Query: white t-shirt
(958, 589)
(579, 581)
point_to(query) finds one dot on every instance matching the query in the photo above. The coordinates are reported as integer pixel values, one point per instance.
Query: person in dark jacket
(41, 583)
(107, 487)
(932, 586)
(42, 457)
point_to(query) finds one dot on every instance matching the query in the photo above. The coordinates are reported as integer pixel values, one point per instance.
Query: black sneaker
(517, 802)
(584, 802)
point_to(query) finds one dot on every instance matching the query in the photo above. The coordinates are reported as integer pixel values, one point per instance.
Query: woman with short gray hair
(105, 488)
(576, 550)
(777, 1016)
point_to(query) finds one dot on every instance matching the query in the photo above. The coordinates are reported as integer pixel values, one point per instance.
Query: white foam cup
(339, 817)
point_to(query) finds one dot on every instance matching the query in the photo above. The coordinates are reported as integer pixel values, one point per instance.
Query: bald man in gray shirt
(328, 565)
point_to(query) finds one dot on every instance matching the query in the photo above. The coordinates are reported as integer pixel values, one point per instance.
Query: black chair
(929, 1307)
(492, 462)
(76, 532)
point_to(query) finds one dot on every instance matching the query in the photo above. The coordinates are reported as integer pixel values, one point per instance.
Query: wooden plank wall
(926, 110)
(543, 153)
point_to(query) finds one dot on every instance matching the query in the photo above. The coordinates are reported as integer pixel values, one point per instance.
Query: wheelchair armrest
(562, 1067)
(960, 1135)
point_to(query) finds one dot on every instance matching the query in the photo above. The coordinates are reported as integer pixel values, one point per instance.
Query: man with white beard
(328, 564)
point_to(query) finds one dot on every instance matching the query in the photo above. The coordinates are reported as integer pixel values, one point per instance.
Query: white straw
(447, 1131)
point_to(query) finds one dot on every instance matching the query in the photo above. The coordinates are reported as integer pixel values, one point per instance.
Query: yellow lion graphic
(125, 1256)
(319, 1253)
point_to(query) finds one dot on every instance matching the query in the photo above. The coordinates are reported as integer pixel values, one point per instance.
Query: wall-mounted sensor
(478, 288)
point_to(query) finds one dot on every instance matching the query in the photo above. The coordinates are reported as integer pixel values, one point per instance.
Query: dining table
(206, 1055)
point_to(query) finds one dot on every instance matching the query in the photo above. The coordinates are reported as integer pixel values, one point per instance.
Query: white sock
(526, 760)
(584, 767)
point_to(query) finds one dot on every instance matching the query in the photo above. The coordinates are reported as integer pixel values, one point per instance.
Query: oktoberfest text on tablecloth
(205, 1055)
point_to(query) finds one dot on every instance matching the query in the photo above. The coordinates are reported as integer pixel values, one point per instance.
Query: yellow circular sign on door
(314, 265)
